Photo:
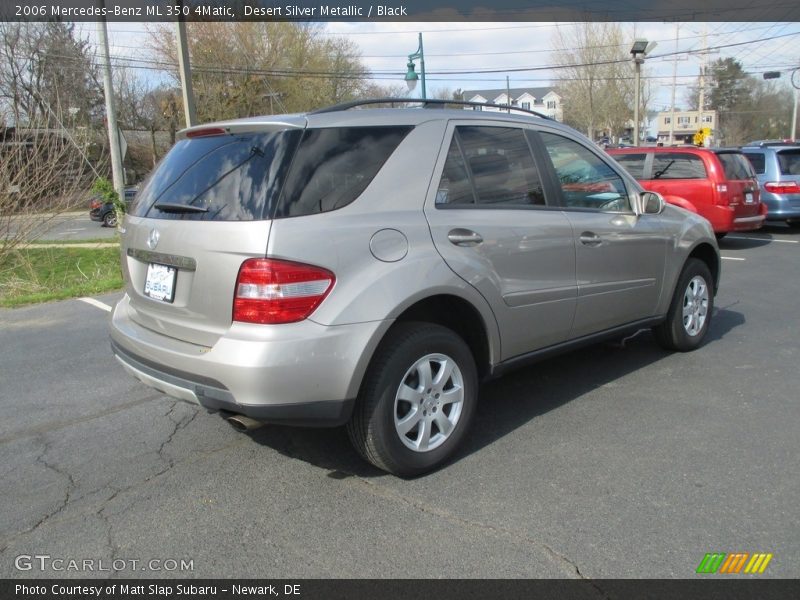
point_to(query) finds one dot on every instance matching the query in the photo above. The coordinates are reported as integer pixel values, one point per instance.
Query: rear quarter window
(677, 165)
(736, 166)
(757, 160)
(333, 166)
(633, 163)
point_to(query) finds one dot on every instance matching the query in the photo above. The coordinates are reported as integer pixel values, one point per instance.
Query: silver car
(371, 267)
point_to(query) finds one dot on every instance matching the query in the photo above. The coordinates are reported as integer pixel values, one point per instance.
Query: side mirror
(652, 203)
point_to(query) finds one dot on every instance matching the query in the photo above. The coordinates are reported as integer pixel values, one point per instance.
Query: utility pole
(111, 115)
(674, 85)
(184, 66)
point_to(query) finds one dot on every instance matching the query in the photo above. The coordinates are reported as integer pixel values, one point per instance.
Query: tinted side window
(735, 165)
(454, 186)
(757, 160)
(218, 178)
(333, 166)
(586, 180)
(789, 161)
(677, 165)
(633, 163)
(499, 164)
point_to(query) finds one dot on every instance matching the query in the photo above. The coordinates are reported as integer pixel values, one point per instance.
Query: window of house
(551, 104)
(683, 120)
(490, 166)
(526, 105)
(667, 120)
(708, 118)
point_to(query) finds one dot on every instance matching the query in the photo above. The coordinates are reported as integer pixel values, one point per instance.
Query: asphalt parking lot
(616, 461)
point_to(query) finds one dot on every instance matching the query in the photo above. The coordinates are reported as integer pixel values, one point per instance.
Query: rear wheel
(689, 314)
(110, 219)
(417, 399)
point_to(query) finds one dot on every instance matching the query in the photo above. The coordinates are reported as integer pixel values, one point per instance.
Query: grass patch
(32, 275)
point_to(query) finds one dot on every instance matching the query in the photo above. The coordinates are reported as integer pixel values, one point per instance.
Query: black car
(104, 211)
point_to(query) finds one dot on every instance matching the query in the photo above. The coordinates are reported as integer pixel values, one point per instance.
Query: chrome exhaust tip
(242, 423)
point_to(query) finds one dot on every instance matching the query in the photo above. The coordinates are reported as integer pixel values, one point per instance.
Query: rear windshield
(219, 178)
(757, 160)
(333, 166)
(736, 166)
(677, 165)
(633, 163)
(789, 161)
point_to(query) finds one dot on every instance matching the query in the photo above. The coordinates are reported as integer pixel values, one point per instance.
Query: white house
(543, 100)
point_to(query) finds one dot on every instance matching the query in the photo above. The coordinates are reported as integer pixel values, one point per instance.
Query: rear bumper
(731, 218)
(300, 373)
(781, 206)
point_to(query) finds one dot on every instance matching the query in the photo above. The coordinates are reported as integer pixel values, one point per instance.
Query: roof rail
(426, 103)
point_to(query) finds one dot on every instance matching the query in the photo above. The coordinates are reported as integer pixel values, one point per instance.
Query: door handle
(589, 238)
(464, 237)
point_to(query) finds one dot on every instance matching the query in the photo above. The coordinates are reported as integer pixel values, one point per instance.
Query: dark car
(104, 211)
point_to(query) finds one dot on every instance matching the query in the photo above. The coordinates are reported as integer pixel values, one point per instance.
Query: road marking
(102, 306)
(732, 237)
(732, 258)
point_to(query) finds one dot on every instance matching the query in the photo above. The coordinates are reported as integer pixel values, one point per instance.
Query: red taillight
(207, 132)
(95, 204)
(782, 187)
(270, 291)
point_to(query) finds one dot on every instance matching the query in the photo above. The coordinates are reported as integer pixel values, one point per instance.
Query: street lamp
(640, 49)
(411, 76)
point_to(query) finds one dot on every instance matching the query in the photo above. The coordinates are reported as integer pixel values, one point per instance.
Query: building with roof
(541, 99)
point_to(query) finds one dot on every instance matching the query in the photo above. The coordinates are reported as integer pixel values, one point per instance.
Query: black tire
(372, 427)
(110, 219)
(673, 334)
(793, 224)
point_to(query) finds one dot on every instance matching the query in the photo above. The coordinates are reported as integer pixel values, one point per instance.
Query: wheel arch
(708, 254)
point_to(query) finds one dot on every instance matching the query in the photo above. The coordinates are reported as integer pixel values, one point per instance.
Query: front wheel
(417, 399)
(110, 220)
(689, 314)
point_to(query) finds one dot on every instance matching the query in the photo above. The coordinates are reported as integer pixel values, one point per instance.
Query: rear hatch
(740, 188)
(681, 174)
(788, 183)
(205, 210)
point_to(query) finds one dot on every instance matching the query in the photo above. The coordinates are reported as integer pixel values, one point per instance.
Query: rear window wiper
(174, 207)
(658, 174)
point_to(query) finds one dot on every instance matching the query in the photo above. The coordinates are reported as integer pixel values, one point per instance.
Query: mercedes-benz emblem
(152, 239)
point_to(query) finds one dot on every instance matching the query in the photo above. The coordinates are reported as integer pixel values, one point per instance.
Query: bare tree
(246, 68)
(595, 78)
(42, 172)
(46, 70)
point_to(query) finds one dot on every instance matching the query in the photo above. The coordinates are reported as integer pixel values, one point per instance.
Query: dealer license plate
(748, 198)
(160, 282)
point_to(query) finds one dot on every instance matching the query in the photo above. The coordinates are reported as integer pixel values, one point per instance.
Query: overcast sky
(472, 47)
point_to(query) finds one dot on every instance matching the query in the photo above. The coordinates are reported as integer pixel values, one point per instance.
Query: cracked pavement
(615, 461)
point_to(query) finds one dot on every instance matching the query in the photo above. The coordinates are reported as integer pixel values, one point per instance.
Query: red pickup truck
(719, 183)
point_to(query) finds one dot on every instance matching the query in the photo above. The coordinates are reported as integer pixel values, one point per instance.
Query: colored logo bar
(720, 562)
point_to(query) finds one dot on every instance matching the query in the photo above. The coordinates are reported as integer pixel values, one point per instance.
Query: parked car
(104, 211)
(777, 167)
(371, 267)
(717, 183)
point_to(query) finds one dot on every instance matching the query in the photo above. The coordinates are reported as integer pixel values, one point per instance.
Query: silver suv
(371, 267)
